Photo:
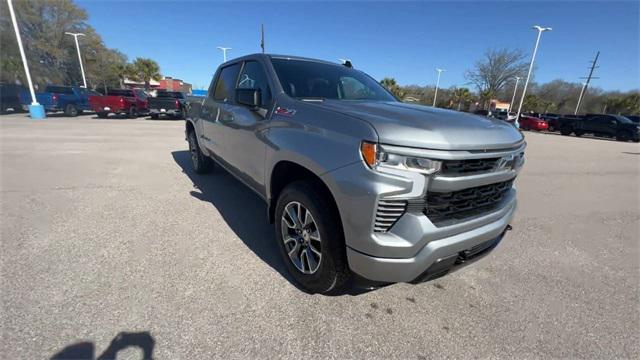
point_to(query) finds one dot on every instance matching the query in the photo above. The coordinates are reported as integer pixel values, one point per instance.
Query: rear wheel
(103, 115)
(578, 133)
(132, 113)
(71, 110)
(200, 162)
(309, 234)
(154, 116)
(566, 130)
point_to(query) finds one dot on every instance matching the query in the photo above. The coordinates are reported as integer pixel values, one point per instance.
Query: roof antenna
(262, 37)
(346, 62)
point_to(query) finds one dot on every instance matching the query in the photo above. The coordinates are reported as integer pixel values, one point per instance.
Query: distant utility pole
(437, 84)
(75, 36)
(262, 37)
(224, 52)
(586, 84)
(513, 98)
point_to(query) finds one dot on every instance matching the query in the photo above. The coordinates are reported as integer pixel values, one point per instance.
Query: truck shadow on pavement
(86, 350)
(244, 211)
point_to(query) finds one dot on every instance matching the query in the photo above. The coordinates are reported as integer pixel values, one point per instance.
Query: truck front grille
(466, 167)
(387, 213)
(459, 205)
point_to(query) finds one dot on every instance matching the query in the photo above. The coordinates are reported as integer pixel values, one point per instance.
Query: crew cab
(360, 186)
(532, 123)
(72, 100)
(130, 102)
(168, 103)
(605, 125)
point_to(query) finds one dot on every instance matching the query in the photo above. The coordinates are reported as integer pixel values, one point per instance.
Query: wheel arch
(286, 172)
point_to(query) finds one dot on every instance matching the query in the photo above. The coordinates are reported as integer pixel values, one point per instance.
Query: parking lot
(105, 229)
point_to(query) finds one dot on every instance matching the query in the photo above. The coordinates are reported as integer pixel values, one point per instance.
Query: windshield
(170, 94)
(303, 79)
(623, 119)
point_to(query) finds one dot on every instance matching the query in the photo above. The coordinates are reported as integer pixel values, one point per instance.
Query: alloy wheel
(301, 238)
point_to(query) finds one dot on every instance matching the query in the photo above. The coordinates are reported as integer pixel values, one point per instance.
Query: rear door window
(226, 83)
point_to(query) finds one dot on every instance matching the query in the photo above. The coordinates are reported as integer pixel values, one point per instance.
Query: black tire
(154, 116)
(566, 130)
(71, 110)
(103, 115)
(623, 136)
(578, 133)
(132, 113)
(200, 162)
(551, 128)
(332, 273)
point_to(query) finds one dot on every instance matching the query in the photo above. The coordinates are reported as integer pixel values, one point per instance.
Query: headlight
(375, 158)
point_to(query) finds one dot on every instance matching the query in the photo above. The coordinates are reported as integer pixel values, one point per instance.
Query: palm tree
(461, 96)
(146, 70)
(393, 87)
(125, 71)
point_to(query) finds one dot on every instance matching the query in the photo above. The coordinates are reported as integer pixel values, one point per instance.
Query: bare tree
(496, 69)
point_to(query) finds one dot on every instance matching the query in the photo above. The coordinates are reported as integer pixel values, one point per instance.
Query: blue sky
(404, 40)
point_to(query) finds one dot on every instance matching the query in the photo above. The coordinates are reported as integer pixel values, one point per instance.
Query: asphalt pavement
(111, 243)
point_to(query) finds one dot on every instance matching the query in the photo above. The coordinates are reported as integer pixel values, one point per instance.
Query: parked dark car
(605, 125)
(168, 103)
(532, 123)
(72, 100)
(10, 97)
(131, 102)
(555, 124)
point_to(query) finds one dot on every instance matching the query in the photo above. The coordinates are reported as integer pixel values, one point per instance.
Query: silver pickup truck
(358, 184)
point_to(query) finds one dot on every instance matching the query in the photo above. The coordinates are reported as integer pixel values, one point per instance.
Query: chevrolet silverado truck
(72, 100)
(358, 184)
(167, 103)
(130, 102)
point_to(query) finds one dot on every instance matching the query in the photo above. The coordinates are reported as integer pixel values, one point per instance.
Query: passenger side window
(352, 89)
(226, 83)
(253, 77)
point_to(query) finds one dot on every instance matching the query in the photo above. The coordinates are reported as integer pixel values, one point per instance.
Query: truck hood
(420, 126)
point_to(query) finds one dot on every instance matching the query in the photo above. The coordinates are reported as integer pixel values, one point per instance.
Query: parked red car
(532, 123)
(131, 102)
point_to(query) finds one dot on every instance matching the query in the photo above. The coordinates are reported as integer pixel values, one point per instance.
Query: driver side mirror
(249, 97)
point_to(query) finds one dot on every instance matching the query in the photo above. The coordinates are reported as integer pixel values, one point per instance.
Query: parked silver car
(359, 184)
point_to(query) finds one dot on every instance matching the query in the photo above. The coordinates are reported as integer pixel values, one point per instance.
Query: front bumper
(414, 243)
(438, 257)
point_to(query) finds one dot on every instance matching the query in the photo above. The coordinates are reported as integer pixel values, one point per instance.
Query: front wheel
(578, 133)
(103, 115)
(623, 136)
(309, 234)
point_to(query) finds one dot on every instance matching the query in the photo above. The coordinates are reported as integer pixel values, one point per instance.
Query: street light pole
(437, 84)
(533, 59)
(36, 110)
(75, 36)
(513, 98)
(224, 52)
